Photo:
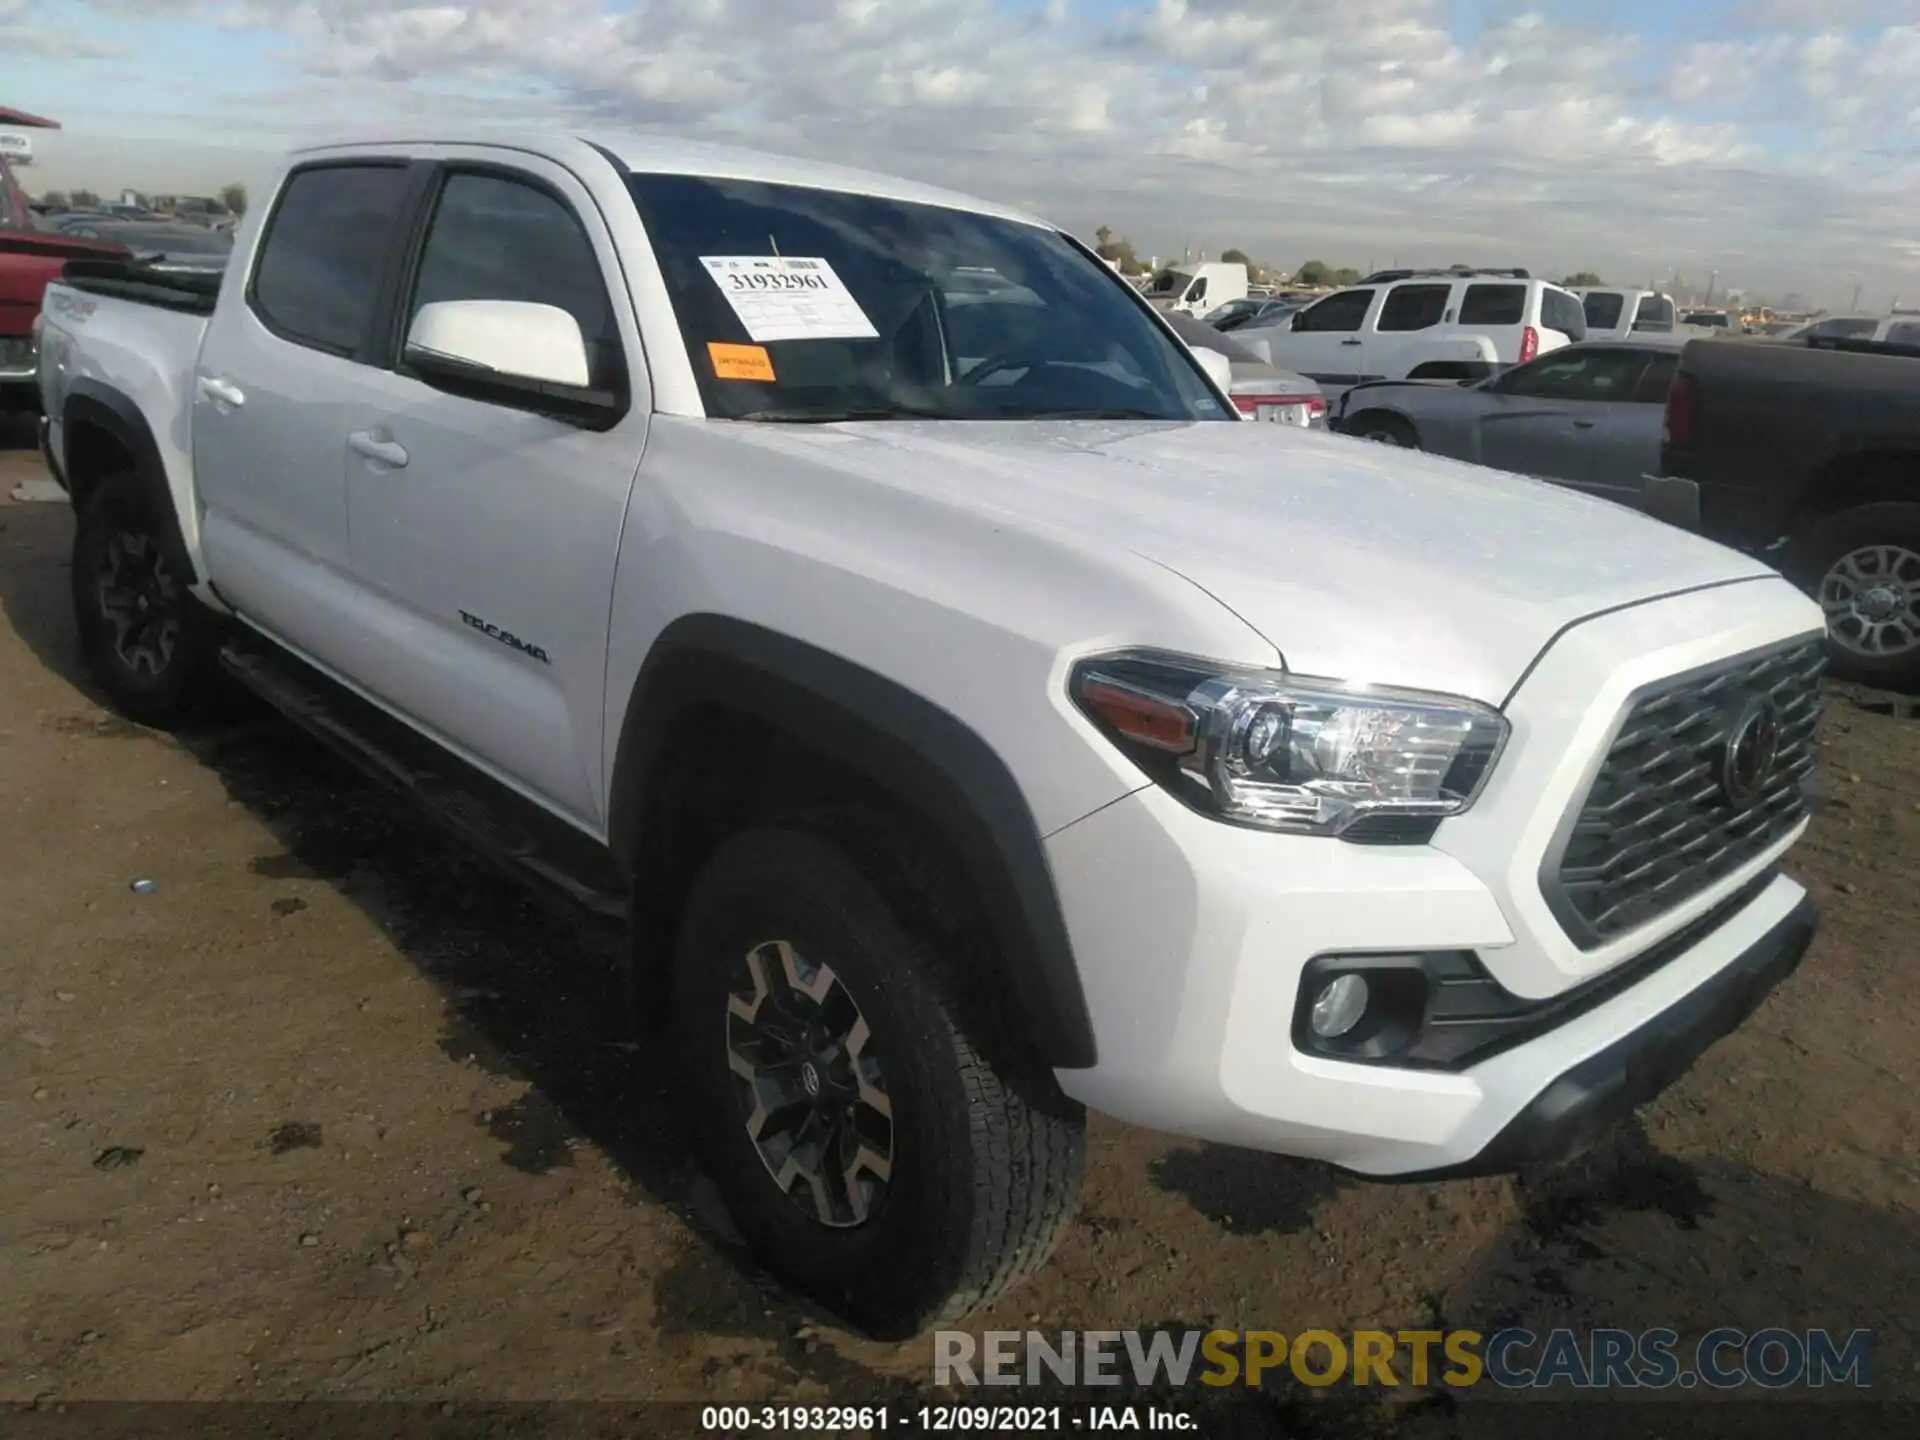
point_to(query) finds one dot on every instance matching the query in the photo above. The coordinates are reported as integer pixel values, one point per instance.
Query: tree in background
(84, 200)
(1345, 275)
(1582, 277)
(56, 198)
(1236, 257)
(234, 197)
(1313, 273)
(1120, 252)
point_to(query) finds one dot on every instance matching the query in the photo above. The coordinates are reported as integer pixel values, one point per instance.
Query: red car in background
(29, 258)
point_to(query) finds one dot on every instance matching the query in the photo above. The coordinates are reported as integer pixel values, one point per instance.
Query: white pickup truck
(968, 724)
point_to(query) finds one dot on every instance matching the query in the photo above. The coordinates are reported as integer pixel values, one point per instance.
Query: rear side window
(1342, 311)
(1560, 311)
(1603, 309)
(1907, 332)
(1413, 307)
(318, 275)
(1494, 305)
(1861, 328)
(1656, 313)
(494, 238)
(1657, 379)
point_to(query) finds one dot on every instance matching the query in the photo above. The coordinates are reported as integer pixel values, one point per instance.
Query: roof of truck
(669, 155)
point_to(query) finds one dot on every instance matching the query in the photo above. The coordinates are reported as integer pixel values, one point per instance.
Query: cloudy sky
(1776, 141)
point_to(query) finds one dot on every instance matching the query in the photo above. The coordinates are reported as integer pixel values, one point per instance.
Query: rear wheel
(868, 1150)
(147, 642)
(1383, 429)
(1863, 566)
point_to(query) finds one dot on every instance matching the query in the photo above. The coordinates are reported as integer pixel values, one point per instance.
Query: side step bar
(556, 861)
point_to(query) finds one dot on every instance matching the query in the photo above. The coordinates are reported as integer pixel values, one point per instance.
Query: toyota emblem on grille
(1753, 745)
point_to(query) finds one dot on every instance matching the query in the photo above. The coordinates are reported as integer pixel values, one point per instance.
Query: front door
(1545, 414)
(284, 356)
(486, 535)
(1326, 341)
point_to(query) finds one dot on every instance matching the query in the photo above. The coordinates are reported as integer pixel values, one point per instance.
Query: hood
(1356, 561)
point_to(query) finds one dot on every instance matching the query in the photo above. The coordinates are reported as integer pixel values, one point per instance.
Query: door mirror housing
(509, 352)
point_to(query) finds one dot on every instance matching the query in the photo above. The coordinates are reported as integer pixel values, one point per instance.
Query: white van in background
(1196, 289)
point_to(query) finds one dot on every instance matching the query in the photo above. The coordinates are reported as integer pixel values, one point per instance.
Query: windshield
(803, 304)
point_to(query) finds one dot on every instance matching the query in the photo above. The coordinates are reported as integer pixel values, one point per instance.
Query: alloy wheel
(141, 599)
(1872, 599)
(808, 1077)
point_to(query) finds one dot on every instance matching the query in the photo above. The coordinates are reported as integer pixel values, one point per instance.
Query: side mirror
(1219, 369)
(509, 338)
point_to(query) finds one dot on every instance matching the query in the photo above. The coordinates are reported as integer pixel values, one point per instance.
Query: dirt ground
(330, 1113)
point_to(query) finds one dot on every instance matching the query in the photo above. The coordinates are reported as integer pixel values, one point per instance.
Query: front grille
(1660, 822)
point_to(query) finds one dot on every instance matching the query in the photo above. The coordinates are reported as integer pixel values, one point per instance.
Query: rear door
(485, 534)
(1545, 414)
(1403, 332)
(282, 362)
(1496, 309)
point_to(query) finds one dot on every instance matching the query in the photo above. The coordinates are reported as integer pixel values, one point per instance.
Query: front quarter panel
(809, 532)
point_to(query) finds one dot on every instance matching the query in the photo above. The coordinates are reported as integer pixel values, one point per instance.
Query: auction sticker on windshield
(780, 297)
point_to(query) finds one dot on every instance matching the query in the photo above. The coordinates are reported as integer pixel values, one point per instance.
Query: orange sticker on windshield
(740, 362)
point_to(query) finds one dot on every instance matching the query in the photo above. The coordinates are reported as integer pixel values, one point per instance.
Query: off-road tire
(986, 1161)
(1828, 541)
(177, 681)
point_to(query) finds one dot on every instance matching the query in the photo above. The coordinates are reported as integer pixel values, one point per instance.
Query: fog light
(1339, 1006)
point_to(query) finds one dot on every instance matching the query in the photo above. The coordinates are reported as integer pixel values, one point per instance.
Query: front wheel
(1383, 429)
(1863, 566)
(871, 1153)
(147, 642)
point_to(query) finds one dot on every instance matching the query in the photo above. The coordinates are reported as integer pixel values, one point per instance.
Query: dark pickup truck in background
(1810, 455)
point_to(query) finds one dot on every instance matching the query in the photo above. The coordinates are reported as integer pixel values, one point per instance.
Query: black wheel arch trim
(90, 403)
(900, 741)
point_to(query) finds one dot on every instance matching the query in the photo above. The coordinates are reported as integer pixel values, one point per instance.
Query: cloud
(24, 30)
(1784, 145)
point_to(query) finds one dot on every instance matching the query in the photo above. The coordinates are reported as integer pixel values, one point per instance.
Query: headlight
(1284, 753)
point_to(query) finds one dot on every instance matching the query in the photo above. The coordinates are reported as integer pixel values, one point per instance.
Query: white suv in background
(1455, 324)
(1614, 313)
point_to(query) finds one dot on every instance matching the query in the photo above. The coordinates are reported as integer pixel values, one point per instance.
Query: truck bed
(191, 292)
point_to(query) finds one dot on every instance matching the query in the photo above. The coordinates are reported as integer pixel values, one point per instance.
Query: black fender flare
(901, 742)
(92, 404)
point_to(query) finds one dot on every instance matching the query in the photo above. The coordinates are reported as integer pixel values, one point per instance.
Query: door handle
(390, 453)
(1583, 424)
(1349, 342)
(222, 391)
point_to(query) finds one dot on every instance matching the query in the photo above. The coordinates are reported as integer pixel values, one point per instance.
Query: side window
(1413, 307)
(1494, 305)
(1342, 311)
(1603, 309)
(1560, 311)
(1582, 375)
(1658, 379)
(1656, 313)
(1847, 328)
(1198, 291)
(1907, 332)
(494, 238)
(318, 275)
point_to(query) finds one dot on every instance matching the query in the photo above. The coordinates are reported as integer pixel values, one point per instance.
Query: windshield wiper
(810, 415)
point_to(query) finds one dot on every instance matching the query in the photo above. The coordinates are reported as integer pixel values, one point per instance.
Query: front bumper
(1193, 939)
(1193, 981)
(1566, 1116)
